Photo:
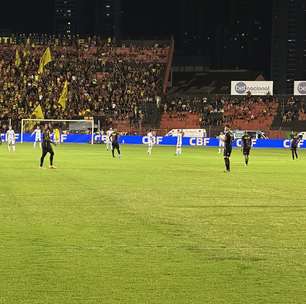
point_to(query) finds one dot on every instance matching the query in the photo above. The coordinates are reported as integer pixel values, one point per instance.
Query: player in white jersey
(221, 142)
(108, 139)
(150, 141)
(37, 133)
(10, 139)
(179, 142)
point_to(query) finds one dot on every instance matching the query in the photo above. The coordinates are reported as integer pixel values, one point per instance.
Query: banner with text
(257, 88)
(165, 141)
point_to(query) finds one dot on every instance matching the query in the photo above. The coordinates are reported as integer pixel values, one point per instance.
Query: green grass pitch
(154, 230)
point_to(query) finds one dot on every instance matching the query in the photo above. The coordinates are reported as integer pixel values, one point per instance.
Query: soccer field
(159, 229)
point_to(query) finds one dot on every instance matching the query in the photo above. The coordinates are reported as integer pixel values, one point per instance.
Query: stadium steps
(278, 118)
(263, 113)
(302, 116)
(121, 125)
(276, 134)
(174, 121)
(152, 115)
(298, 126)
(260, 124)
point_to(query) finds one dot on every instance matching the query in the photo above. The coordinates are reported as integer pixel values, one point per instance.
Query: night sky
(27, 16)
(198, 26)
(140, 17)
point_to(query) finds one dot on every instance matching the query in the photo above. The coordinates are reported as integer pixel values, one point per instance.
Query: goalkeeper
(57, 136)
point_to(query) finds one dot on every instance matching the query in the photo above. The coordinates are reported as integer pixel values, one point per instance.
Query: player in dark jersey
(46, 147)
(295, 139)
(114, 137)
(228, 145)
(246, 144)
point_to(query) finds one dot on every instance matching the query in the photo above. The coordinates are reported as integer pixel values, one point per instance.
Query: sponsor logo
(240, 87)
(199, 141)
(63, 138)
(98, 137)
(3, 136)
(157, 140)
(286, 143)
(239, 142)
(302, 87)
(255, 87)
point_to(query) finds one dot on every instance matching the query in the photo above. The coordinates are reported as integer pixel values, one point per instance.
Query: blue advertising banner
(209, 142)
(165, 141)
(65, 138)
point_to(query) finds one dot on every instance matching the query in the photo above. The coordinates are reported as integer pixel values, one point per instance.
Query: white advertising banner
(188, 132)
(300, 87)
(257, 88)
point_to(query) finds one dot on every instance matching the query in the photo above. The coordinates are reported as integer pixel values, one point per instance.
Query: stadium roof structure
(210, 81)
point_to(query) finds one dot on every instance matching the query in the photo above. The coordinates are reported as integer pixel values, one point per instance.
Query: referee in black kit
(46, 147)
(295, 139)
(114, 137)
(228, 145)
(246, 144)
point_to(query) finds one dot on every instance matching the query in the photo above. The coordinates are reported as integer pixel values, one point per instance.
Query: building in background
(99, 17)
(288, 55)
(67, 16)
(232, 34)
(243, 41)
(107, 18)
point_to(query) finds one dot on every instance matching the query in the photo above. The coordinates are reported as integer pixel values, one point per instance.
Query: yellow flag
(64, 96)
(26, 52)
(44, 60)
(38, 113)
(17, 59)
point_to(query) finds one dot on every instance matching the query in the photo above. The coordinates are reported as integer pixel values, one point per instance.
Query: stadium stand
(192, 112)
(251, 113)
(106, 79)
(240, 113)
(124, 85)
(208, 81)
(291, 113)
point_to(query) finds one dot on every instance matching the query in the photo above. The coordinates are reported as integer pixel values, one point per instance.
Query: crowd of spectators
(220, 110)
(250, 108)
(114, 81)
(293, 109)
(211, 110)
(106, 78)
